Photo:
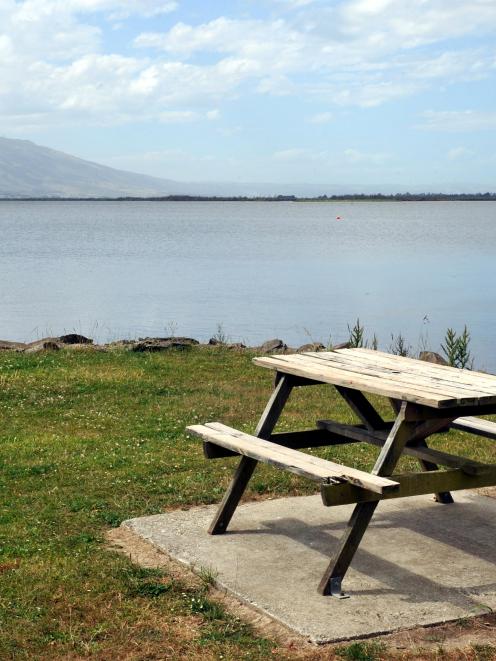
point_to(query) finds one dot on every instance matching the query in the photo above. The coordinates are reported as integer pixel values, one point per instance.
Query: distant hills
(28, 170)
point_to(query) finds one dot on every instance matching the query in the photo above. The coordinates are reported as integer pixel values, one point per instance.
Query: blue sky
(359, 93)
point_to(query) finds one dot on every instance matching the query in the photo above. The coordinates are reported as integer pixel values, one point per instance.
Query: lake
(259, 269)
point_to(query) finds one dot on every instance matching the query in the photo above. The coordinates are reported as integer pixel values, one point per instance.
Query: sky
(358, 93)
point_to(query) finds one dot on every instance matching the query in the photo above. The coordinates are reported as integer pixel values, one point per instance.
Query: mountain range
(30, 170)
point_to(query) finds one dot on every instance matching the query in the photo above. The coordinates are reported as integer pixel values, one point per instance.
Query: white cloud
(458, 121)
(54, 62)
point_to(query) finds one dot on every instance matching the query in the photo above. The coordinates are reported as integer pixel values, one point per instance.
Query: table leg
(443, 497)
(247, 465)
(362, 514)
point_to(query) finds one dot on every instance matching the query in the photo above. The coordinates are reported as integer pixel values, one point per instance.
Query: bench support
(247, 465)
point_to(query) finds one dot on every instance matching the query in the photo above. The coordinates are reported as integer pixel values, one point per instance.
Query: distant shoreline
(398, 197)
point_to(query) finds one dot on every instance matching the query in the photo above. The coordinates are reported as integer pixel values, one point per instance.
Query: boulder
(7, 345)
(125, 344)
(237, 346)
(181, 340)
(343, 345)
(84, 347)
(432, 357)
(154, 345)
(48, 344)
(272, 345)
(312, 346)
(214, 342)
(74, 338)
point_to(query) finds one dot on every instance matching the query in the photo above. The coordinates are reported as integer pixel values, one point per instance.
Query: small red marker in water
(338, 217)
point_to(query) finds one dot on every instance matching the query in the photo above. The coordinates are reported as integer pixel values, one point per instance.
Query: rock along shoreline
(77, 342)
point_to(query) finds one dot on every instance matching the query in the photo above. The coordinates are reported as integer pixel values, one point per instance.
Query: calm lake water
(261, 270)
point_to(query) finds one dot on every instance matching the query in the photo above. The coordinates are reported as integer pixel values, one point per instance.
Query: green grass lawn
(91, 438)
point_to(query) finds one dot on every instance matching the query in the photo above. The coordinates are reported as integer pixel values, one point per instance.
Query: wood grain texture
(288, 459)
(477, 426)
(411, 484)
(400, 378)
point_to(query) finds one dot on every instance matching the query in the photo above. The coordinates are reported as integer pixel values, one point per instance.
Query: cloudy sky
(351, 92)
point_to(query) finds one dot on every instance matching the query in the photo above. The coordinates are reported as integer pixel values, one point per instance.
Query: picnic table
(426, 399)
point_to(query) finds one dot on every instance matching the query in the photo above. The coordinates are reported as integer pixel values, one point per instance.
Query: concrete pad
(420, 562)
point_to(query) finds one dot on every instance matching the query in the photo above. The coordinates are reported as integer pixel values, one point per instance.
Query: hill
(29, 170)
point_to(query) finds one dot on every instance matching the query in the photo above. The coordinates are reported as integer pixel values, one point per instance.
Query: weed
(361, 651)
(399, 346)
(171, 328)
(220, 335)
(484, 652)
(207, 576)
(356, 335)
(146, 582)
(456, 350)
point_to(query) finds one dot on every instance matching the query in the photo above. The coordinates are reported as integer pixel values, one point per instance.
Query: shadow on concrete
(462, 526)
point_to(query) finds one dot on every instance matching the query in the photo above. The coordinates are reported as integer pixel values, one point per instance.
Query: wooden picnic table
(426, 399)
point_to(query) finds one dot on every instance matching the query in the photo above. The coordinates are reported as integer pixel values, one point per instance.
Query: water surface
(261, 269)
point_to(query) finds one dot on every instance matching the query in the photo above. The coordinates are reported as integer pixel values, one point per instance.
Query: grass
(88, 439)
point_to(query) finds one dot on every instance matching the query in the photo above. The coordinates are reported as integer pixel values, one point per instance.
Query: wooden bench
(477, 426)
(314, 468)
(342, 485)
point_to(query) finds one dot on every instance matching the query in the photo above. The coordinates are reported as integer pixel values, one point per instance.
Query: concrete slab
(420, 563)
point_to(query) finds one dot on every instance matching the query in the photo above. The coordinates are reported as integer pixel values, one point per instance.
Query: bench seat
(477, 426)
(314, 468)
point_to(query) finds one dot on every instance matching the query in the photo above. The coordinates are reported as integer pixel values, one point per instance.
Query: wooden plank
(297, 440)
(411, 484)
(359, 434)
(478, 426)
(340, 378)
(421, 412)
(306, 465)
(326, 373)
(413, 365)
(394, 372)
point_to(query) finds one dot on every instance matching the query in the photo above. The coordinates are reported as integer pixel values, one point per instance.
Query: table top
(386, 374)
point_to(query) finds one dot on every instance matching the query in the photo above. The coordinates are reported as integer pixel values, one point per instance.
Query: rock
(181, 340)
(126, 344)
(48, 344)
(214, 342)
(74, 338)
(7, 345)
(84, 347)
(156, 344)
(272, 345)
(237, 346)
(432, 357)
(343, 345)
(312, 346)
